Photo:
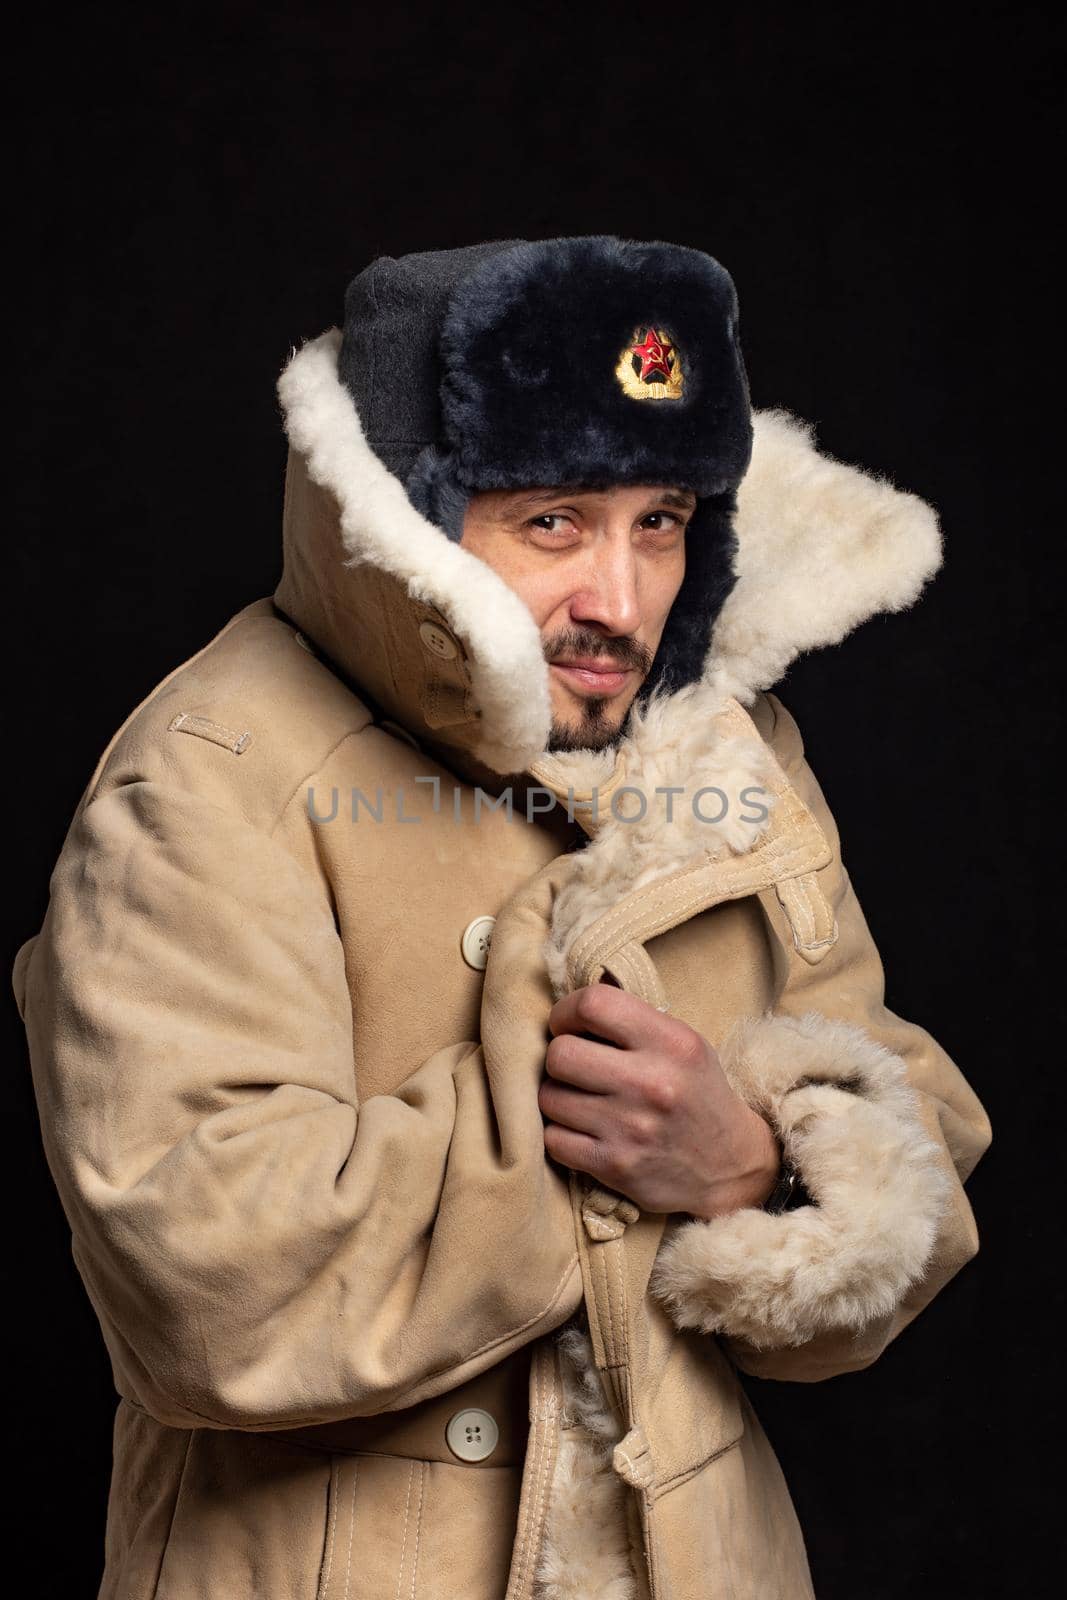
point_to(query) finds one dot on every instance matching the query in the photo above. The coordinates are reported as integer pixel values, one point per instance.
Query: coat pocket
(401, 1525)
(692, 1410)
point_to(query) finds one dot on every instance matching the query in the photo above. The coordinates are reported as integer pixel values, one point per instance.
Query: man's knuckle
(690, 1048)
(593, 1003)
(662, 1094)
(642, 1126)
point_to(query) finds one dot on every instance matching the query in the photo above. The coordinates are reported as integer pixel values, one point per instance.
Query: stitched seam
(628, 916)
(627, 967)
(351, 1528)
(625, 1309)
(623, 1331)
(418, 1526)
(688, 1472)
(633, 963)
(797, 908)
(820, 912)
(602, 1288)
(633, 910)
(404, 1546)
(691, 882)
(207, 728)
(806, 889)
(520, 1566)
(820, 944)
(608, 1256)
(543, 1470)
(646, 970)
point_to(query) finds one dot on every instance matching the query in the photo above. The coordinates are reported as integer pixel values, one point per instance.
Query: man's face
(599, 570)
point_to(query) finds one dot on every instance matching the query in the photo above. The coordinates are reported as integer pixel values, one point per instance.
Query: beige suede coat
(290, 1103)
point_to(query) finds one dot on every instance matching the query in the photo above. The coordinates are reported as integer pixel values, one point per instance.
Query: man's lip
(592, 664)
(593, 680)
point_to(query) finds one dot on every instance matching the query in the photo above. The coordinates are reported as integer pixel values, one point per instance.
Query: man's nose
(609, 596)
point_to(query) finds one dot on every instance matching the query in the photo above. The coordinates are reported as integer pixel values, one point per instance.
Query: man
(458, 1046)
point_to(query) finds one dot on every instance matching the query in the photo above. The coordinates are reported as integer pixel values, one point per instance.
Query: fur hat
(581, 362)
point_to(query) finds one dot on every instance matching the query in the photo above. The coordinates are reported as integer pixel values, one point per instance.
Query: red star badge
(653, 352)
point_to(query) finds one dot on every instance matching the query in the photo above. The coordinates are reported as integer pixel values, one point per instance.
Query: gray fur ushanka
(494, 368)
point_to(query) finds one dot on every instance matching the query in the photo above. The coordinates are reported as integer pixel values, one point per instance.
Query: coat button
(607, 1215)
(477, 936)
(472, 1434)
(437, 641)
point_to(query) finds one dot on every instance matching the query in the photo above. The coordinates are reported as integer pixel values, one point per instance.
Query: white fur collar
(693, 779)
(822, 547)
(380, 526)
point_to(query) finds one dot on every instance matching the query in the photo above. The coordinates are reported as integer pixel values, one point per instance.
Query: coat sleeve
(262, 1250)
(884, 1131)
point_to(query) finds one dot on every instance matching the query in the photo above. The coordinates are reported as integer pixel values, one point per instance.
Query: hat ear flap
(710, 551)
(433, 488)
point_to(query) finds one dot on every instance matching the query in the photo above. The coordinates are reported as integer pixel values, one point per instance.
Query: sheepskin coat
(286, 1019)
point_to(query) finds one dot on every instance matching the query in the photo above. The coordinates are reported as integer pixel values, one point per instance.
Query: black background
(192, 192)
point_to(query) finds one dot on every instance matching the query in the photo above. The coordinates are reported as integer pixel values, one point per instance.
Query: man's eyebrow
(537, 497)
(527, 500)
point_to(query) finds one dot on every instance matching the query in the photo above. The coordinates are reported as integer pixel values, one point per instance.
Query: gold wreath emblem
(650, 366)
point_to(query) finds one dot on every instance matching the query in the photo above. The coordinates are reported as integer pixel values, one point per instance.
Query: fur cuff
(847, 1116)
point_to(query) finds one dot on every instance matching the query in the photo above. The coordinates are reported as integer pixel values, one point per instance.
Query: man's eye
(544, 522)
(664, 521)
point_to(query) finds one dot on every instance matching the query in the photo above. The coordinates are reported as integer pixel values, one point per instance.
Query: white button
(437, 641)
(472, 1434)
(477, 937)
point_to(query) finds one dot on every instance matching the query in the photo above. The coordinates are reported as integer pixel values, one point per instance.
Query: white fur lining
(849, 1119)
(672, 744)
(585, 1549)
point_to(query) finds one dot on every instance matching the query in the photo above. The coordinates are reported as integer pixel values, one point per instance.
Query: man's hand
(646, 1109)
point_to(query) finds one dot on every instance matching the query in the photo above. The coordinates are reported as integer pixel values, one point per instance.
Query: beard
(594, 731)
